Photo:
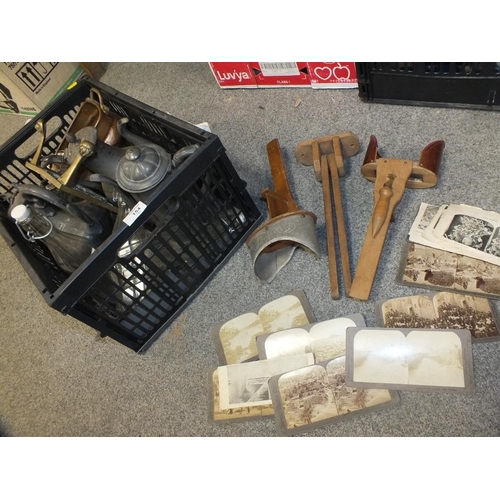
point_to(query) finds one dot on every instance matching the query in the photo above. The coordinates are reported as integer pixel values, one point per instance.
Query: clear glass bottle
(64, 235)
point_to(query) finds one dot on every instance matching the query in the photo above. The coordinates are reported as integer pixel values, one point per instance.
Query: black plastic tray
(444, 84)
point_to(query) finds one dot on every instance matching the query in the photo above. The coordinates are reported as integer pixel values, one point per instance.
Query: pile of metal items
(99, 173)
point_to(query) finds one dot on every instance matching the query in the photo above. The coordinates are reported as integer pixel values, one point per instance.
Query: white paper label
(204, 126)
(134, 213)
(279, 68)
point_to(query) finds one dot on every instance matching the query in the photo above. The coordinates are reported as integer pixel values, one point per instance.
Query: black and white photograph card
(425, 216)
(466, 230)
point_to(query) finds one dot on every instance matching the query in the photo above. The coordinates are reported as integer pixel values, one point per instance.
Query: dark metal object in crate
(444, 84)
(193, 222)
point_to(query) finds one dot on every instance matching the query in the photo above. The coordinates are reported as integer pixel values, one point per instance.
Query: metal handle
(29, 236)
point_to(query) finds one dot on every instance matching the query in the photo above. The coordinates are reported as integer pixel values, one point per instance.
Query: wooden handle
(276, 205)
(278, 172)
(339, 217)
(382, 206)
(330, 235)
(373, 245)
(381, 210)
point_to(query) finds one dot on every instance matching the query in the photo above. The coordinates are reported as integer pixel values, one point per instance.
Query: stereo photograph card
(315, 396)
(423, 360)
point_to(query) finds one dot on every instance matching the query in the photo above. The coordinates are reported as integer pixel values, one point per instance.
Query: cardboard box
(333, 75)
(26, 88)
(234, 74)
(285, 74)
(281, 74)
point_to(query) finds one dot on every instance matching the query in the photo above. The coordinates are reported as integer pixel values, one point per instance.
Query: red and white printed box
(333, 75)
(233, 74)
(285, 74)
(281, 74)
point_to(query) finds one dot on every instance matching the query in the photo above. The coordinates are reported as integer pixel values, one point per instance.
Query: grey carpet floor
(58, 377)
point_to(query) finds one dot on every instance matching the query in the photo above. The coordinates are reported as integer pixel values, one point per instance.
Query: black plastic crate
(198, 217)
(445, 84)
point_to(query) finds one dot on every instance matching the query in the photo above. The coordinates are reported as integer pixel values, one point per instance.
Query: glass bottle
(64, 235)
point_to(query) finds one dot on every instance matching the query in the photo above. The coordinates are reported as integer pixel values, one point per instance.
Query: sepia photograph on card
(235, 339)
(468, 231)
(427, 267)
(246, 384)
(441, 310)
(326, 339)
(424, 360)
(316, 395)
(219, 415)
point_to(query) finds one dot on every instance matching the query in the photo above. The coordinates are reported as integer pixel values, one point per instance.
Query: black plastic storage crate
(198, 217)
(444, 84)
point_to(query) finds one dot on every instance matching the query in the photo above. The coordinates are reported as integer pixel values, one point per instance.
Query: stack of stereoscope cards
(455, 248)
(277, 361)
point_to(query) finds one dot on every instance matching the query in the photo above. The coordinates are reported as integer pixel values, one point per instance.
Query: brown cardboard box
(26, 88)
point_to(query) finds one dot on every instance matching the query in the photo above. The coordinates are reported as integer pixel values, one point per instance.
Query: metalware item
(53, 178)
(94, 113)
(70, 231)
(136, 168)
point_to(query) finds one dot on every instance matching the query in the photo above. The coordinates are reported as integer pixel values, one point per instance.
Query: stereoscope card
(466, 230)
(425, 216)
(241, 391)
(326, 339)
(442, 311)
(216, 414)
(235, 339)
(315, 396)
(408, 359)
(426, 267)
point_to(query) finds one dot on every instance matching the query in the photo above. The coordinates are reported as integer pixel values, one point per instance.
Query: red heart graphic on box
(341, 72)
(323, 73)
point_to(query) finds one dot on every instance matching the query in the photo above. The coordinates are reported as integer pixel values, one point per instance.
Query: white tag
(279, 68)
(204, 126)
(134, 213)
